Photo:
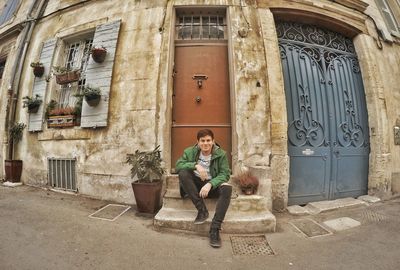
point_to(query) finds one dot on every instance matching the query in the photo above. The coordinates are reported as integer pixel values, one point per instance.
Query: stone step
(235, 222)
(173, 182)
(242, 203)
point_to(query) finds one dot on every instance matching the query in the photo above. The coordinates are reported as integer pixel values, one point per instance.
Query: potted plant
(60, 117)
(146, 165)
(32, 103)
(38, 69)
(66, 75)
(13, 168)
(247, 182)
(92, 95)
(98, 54)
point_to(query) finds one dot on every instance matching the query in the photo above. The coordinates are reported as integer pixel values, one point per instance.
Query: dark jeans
(191, 185)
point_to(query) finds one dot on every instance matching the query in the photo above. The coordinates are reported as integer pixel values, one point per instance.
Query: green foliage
(91, 92)
(62, 70)
(50, 106)
(145, 164)
(36, 64)
(31, 102)
(15, 132)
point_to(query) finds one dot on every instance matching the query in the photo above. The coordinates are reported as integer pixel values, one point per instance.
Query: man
(203, 172)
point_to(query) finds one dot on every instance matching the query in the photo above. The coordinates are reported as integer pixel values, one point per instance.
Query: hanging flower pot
(92, 95)
(99, 54)
(68, 77)
(92, 101)
(38, 69)
(32, 103)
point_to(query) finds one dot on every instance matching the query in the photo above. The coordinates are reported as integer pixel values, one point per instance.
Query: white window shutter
(40, 84)
(100, 75)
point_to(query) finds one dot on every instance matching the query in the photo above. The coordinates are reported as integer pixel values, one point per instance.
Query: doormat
(110, 212)
(309, 227)
(251, 245)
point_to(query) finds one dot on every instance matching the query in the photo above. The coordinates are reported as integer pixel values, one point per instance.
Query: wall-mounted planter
(92, 101)
(61, 121)
(68, 77)
(38, 71)
(99, 54)
(33, 108)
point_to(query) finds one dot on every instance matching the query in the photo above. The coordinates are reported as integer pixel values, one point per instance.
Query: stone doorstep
(261, 222)
(241, 203)
(323, 206)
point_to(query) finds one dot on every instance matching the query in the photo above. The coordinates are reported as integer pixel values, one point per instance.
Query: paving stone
(369, 199)
(297, 210)
(323, 206)
(341, 224)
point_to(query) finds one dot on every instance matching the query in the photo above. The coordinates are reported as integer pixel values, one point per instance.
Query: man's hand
(204, 190)
(202, 172)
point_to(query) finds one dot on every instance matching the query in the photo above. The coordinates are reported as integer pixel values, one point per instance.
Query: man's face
(205, 143)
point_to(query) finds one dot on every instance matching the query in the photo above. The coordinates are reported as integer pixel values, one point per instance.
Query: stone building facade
(138, 81)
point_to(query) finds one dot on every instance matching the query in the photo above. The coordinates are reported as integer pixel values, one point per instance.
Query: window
(77, 57)
(389, 17)
(8, 10)
(200, 27)
(2, 66)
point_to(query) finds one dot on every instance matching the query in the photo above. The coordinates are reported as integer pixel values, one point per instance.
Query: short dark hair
(205, 132)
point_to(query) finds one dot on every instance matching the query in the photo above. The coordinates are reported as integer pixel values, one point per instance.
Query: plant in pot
(146, 165)
(247, 182)
(92, 95)
(98, 54)
(66, 75)
(32, 103)
(13, 168)
(38, 69)
(60, 117)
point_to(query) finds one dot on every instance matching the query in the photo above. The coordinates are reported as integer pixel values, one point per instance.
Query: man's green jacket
(219, 165)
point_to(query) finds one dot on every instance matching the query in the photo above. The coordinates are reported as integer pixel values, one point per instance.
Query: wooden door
(201, 96)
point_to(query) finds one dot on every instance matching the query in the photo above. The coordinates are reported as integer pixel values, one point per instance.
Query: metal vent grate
(251, 245)
(62, 173)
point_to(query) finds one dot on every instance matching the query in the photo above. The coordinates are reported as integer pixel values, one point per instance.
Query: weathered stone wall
(141, 92)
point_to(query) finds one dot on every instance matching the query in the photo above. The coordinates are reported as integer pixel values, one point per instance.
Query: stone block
(369, 199)
(341, 224)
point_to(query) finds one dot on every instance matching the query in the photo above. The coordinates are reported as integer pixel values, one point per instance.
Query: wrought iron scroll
(314, 35)
(350, 132)
(305, 130)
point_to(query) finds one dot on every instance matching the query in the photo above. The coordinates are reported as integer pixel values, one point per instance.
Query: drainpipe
(13, 89)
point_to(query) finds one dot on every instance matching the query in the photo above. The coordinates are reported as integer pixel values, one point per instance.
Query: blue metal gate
(328, 140)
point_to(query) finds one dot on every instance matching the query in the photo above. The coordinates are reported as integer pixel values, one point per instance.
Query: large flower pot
(13, 169)
(147, 196)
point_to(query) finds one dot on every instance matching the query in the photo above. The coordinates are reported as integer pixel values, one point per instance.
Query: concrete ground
(41, 229)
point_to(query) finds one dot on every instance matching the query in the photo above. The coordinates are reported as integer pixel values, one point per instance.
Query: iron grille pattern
(332, 64)
(200, 27)
(62, 173)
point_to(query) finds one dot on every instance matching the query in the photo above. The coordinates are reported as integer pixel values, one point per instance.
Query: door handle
(336, 153)
(198, 99)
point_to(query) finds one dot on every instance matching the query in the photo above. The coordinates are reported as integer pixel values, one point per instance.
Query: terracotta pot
(147, 196)
(99, 55)
(13, 170)
(93, 101)
(68, 77)
(38, 71)
(248, 190)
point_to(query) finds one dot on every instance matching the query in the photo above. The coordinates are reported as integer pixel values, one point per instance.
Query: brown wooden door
(206, 106)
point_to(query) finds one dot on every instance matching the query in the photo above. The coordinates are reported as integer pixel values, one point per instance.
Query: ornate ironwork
(350, 132)
(305, 130)
(311, 34)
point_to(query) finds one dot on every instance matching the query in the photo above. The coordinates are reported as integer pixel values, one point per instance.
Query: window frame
(391, 9)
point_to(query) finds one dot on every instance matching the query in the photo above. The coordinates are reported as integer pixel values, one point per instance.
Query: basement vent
(62, 174)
